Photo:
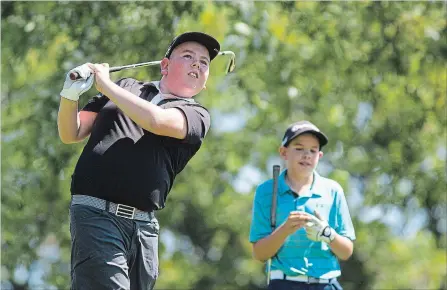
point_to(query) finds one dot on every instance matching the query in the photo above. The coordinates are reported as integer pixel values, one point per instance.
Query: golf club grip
(75, 76)
(276, 169)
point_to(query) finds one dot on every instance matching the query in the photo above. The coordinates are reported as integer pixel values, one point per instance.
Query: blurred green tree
(370, 74)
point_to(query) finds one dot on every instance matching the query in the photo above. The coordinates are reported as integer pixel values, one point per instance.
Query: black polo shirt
(123, 163)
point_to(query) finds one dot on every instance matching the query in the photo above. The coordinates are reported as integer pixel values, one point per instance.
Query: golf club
(230, 67)
(276, 169)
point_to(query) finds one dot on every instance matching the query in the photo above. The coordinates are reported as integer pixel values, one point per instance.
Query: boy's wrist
(283, 232)
(328, 235)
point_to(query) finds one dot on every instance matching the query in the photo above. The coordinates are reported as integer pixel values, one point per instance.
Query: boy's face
(187, 69)
(302, 154)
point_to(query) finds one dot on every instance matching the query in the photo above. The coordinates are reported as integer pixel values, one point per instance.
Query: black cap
(302, 127)
(206, 40)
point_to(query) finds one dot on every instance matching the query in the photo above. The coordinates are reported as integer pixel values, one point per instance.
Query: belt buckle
(312, 280)
(125, 211)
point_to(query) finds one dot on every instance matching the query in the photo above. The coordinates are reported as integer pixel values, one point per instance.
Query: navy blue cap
(301, 127)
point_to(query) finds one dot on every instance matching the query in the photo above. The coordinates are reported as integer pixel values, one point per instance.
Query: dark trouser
(110, 252)
(278, 284)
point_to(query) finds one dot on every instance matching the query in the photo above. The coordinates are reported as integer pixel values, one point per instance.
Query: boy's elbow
(345, 257)
(66, 139)
(67, 142)
(256, 257)
(254, 252)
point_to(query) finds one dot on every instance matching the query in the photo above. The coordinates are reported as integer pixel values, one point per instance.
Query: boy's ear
(282, 152)
(320, 154)
(164, 66)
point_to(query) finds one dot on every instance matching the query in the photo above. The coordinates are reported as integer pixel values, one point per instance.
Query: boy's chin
(304, 169)
(192, 91)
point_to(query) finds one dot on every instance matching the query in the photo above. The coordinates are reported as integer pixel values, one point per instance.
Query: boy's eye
(187, 56)
(204, 62)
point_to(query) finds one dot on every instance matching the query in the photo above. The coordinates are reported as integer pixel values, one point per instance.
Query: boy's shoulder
(126, 81)
(264, 189)
(329, 185)
(328, 181)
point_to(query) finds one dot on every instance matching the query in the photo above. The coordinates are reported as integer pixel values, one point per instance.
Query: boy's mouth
(193, 75)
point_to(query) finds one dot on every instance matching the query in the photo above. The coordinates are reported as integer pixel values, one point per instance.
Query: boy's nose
(307, 153)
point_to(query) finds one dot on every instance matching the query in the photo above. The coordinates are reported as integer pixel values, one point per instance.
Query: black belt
(117, 209)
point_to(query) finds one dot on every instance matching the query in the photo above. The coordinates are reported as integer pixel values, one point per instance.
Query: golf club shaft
(75, 75)
(276, 169)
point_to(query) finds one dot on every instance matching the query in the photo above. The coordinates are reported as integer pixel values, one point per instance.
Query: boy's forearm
(68, 120)
(267, 247)
(342, 247)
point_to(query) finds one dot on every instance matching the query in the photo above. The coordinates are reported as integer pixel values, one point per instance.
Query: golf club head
(232, 63)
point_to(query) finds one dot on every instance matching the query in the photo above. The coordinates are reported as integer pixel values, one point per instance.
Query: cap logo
(308, 126)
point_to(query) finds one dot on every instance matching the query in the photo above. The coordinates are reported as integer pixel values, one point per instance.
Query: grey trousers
(110, 252)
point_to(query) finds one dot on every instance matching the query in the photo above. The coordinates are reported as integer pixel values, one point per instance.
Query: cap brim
(211, 44)
(321, 137)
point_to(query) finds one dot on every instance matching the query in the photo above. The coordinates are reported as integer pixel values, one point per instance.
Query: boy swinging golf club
(141, 135)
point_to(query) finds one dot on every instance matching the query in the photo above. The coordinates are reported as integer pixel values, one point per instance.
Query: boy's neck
(163, 88)
(299, 182)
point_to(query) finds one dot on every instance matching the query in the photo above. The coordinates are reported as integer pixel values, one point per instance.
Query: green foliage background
(370, 74)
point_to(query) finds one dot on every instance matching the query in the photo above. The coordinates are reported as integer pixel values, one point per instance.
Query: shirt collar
(160, 96)
(283, 187)
(156, 84)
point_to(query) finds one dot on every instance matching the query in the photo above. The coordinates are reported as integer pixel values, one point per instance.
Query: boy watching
(313, 225)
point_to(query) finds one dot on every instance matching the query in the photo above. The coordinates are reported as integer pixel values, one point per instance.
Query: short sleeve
(198, 122)
(260, 223)
(344, 223)
(96, 103)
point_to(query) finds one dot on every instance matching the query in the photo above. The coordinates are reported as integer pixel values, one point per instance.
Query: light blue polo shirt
(299, 255)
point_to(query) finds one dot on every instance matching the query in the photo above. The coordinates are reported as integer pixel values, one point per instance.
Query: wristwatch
(327, 232)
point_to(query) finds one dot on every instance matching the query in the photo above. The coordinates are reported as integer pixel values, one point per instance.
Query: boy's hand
(295, 221)
(74, 88)
(317, 229)
(102, 76)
